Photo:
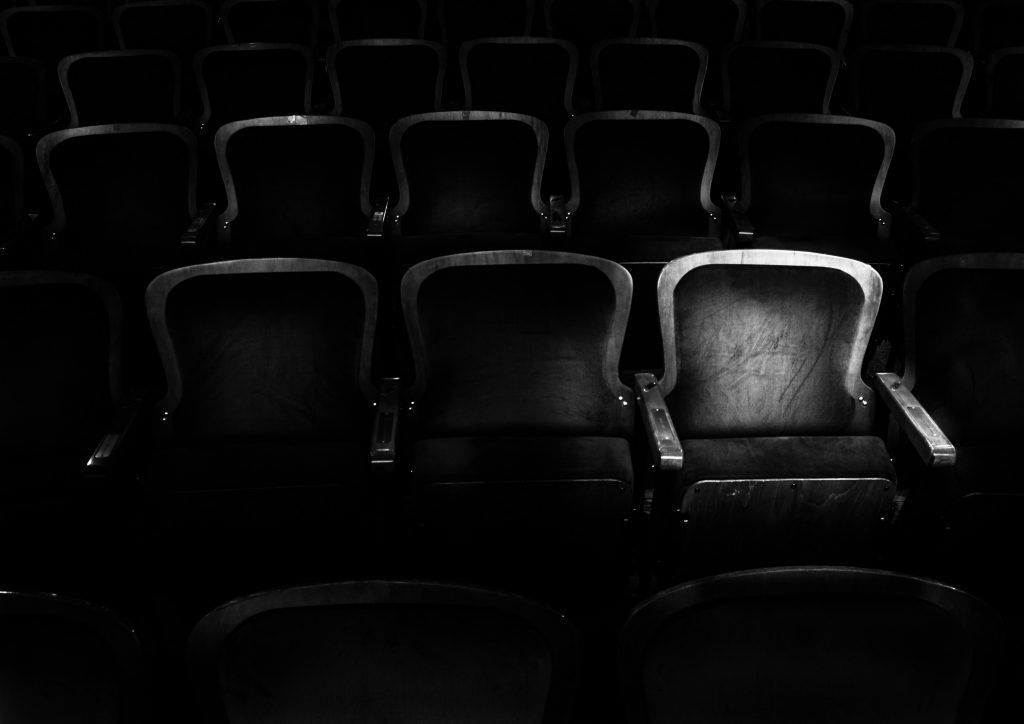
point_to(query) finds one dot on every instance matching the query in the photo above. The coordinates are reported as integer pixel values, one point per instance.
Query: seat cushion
(786, 457)
(524, 480)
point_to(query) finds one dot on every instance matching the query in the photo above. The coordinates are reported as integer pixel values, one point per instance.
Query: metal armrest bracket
(666, 450)
(923, 432)
(383, 450)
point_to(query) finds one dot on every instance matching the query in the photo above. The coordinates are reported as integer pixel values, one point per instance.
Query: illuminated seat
(761, 426)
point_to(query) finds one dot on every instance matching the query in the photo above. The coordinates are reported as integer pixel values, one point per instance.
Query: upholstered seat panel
(764, 350)
(272, 357)
(519, 350)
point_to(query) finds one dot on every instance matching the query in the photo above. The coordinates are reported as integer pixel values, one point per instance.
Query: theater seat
(519, 432)
(364, 19)
(122, 86)
(761, 426)
(271, 21)
(799, 644)
(384, 651)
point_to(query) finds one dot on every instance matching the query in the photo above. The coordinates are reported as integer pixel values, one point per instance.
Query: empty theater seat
(385, 651)
(468, 180)
(961, 387)
(965, 186)
(297, 186)
(462, 20)
(519, 434)
(851, 644)
(124, 196)
(813, 182)
(121, 86)
(761, 425)
(68, 660)
(261, 457)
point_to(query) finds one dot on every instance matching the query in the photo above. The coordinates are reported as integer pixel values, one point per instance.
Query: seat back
(649, 73)
(253, 80)
(904, 85)
(61, 378)
(22, 83)
(292, 181)
(462, 20)
(911, 22)
(806, 175)
(271, 350)
(469, 172)
(385, 651)
(966, 182)
(853, 642)
(49, 32)
(121, 86)
(364, 19)
(271, 21)
(767, 343)
(584, 22)
(120, 192)
(823, 22)
(68, 660)
(997, 24)
(642, 172)
(778, 77)
(381, 80)
(964, 350)
(712, 23)
(1004, 87)
(518, 343)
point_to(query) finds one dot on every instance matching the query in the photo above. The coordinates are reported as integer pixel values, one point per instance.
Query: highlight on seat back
(295, 183)
(361, 19)
(122, 86)
(271, 21)
(856, 643)
(121, 194)
(68, 660)
(467, 172)
(384, 651)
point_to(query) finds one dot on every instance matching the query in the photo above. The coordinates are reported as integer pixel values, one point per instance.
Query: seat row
(800, 640)
(514, 452)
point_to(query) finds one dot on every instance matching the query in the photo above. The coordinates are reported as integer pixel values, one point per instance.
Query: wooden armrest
(666, 449)
(375, 229)
(194, 231)
(924, 434)
(104, 457)
(737, 219)
(383, 450)
(925, 230)
(558, 216)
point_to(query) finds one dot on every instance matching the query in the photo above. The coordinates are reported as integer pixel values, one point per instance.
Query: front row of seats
(517, 444)
(850, 643)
